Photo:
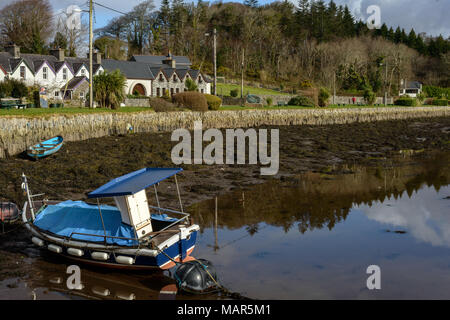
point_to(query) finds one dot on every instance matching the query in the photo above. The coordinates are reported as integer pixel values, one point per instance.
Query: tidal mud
(325, 151)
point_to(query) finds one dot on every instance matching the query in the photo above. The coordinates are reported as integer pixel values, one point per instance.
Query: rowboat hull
(45, 148)
(9, 212)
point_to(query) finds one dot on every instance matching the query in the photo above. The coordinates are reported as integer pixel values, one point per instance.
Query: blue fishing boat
(130, 235)
(45, 148)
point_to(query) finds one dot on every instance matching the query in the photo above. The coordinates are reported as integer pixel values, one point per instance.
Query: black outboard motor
(196, 276)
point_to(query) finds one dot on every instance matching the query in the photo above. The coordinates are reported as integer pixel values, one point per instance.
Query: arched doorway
(139, 89)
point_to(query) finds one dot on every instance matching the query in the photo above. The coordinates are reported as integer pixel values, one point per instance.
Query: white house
(3, 74)
(146, 75)
(157, 75)
(410, 88)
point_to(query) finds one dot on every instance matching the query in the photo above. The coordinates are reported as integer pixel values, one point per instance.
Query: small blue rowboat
(45, 148)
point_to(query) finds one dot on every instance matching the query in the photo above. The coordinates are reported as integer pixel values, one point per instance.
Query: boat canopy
(133, 182)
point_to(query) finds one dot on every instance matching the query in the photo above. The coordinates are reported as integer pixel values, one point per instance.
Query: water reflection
(315, 201)
(314, 235)
(425, 215)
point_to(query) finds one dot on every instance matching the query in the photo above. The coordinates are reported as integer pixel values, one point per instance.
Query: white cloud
(424, 216)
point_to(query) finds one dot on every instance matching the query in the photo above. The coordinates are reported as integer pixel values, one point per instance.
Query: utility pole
(91, 68)
(242, 74)
(334, 87)
(385, 85)
(215, 60)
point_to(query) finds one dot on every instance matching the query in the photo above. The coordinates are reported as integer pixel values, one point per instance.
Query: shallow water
(316, 238)
(310, 236)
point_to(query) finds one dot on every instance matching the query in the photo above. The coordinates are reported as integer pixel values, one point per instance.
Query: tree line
(312, 44)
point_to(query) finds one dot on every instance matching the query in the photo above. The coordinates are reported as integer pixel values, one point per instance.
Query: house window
(83, 72)
(22, 73)
(64, 74)
(200, 80)
(45, 73)
(201, 91)
(56, 94)
(158, 92)
(178, 90)
(81, 95)
(171, 91)
(161, 78)
(174, 78)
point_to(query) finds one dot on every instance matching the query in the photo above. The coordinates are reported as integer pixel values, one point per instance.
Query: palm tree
(109, 89)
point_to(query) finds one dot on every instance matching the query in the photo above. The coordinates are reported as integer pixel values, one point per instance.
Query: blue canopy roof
(133, 182)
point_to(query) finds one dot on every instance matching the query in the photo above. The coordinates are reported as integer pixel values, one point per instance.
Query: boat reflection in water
(314, 235)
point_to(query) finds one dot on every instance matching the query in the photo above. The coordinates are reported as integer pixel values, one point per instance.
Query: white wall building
(146, 75)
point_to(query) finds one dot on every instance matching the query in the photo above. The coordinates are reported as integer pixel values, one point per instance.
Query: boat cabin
(130, 197)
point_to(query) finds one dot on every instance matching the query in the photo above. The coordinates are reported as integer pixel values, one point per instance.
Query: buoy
(196, 276)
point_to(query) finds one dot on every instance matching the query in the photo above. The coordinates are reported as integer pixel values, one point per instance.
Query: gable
(45, 64)
(17, 64)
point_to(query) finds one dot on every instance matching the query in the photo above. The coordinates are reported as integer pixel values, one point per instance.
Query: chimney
(96, 57)
(13, 50)
(58, 53)
(170, 61)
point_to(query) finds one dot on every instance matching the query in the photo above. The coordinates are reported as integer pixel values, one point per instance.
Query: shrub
(234, 93)
(192, 100)
(161, 105)
(324, 95)
(369, 95)
(213, 102)
(301, 101)
(13, 88)
(436, 92)
(406, 101)
(439, 102)
(269, 101)
(191, 85)
(5, 89)
(420, 97)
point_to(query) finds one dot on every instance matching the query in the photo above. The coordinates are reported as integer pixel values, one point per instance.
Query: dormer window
(161, 78)
(200, 80)
(45, 73)
(64, 74)
(83, 72)
(174, 78)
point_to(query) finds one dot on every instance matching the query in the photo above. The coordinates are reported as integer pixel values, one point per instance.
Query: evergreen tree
(398, 35)
(412, 39)
(348, 23)
(391, 34)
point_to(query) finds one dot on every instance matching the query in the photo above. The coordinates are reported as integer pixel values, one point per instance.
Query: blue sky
(430, 16)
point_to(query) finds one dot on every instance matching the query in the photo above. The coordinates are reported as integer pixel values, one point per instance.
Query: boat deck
(158, 236)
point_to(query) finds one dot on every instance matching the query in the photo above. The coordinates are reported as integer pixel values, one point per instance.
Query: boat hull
(179, 251)
(45, 148)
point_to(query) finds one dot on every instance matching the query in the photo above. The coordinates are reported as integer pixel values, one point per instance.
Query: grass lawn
(349, 106)
(38, 112)
(224, 89)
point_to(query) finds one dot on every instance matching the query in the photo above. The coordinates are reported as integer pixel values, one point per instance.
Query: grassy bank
(225, 88)
(37, 112)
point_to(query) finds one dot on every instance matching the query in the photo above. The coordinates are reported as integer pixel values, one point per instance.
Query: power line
(106, 7)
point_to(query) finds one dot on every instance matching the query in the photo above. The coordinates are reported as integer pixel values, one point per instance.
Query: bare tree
(27, 23)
